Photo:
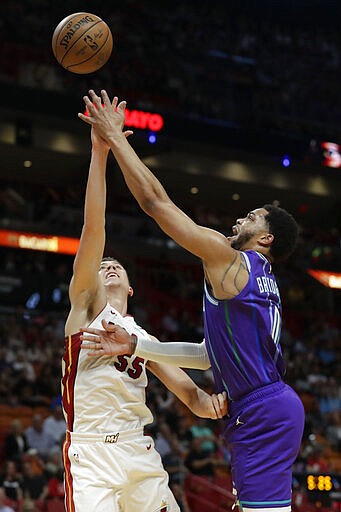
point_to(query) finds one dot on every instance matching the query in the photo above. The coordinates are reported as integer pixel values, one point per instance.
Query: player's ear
(266, 239)
(130, 291)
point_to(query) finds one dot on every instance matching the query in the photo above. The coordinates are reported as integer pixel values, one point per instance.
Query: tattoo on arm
(241, 267)
(232, 273)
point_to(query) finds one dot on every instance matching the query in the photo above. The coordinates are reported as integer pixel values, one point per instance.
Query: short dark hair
(110, 258)
(285, 230)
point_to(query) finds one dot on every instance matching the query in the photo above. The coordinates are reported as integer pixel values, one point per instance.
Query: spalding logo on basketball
(82, 43)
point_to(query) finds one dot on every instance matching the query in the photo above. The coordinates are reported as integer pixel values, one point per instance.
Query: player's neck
(258, 248)
(119, 302)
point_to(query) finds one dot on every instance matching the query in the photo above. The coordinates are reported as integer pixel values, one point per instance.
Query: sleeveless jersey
(242, 334)
(104, 394)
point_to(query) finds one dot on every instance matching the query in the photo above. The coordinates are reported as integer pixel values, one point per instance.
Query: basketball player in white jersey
(110, 466)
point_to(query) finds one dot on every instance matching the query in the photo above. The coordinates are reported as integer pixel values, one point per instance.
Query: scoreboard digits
(319, 483)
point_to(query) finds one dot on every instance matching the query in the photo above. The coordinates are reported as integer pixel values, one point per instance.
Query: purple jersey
(242, 334)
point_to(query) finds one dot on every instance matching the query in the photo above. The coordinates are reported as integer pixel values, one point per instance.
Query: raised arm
(207, 244)
(84, 283)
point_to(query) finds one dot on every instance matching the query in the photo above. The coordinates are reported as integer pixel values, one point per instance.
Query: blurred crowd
(265, 66)
(167, 303)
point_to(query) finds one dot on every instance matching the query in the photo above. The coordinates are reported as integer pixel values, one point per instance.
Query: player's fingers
(127, 133)
(212, 413)
(106, 100)
(109, 327)
(89, 339)
(221, 403)
(87, 118)
(121, 106)
(89, 105)
(224, 403)
(225, 406)
(89, 345)
(90, 330)
(215, 405)
(95, 99)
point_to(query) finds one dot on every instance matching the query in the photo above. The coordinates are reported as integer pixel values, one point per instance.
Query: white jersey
(104, 394)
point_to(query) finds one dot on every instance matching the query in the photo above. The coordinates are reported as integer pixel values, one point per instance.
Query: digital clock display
(320, 483)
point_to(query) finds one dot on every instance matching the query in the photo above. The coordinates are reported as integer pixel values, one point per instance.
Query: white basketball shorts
(115, 472)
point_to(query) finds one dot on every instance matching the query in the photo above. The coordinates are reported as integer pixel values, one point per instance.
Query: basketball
(82, 43)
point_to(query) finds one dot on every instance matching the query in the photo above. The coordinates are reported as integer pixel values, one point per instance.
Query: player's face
(113, 274)
(247, 227)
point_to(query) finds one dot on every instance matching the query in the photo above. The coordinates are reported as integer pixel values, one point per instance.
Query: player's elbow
(153, 206)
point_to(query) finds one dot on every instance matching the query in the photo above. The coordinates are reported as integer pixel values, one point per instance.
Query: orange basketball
(82, 43)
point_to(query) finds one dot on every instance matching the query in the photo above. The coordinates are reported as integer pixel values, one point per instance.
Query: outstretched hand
(108, 117)
(112, 340)
(213, 406)
(220, 404)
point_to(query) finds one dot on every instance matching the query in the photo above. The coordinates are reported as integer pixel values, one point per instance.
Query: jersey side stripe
(209, 296)
(217, 367)
(71, 357)
(256, 330)
(69, 503)
(234, 347)
(247, 261)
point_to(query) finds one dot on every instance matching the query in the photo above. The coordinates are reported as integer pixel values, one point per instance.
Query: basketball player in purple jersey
(242, 321)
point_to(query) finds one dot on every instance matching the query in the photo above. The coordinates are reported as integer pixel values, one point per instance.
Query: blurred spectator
(200, 430)
(4, 507)
(54, 425)
(199, 461)
(174, 462)
(330, 399)
(316, 462)
(54, 472)
(163, 439)
(11, 482)
(170, 322)
(56, 485)
(37, 438)
(34, 486)
(15, 444)
(35, 461)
